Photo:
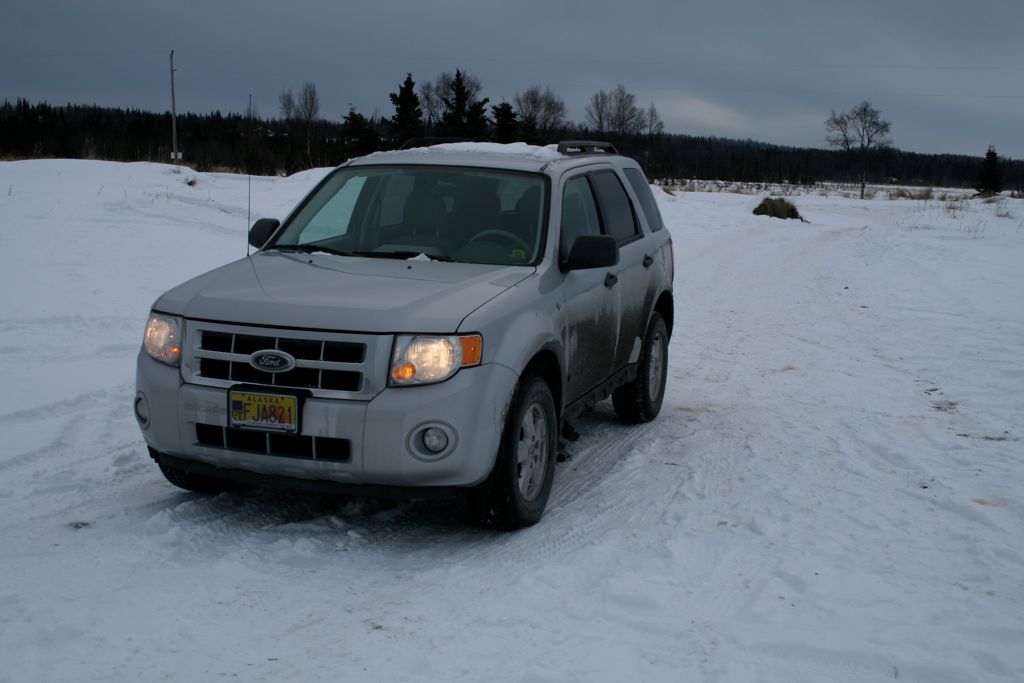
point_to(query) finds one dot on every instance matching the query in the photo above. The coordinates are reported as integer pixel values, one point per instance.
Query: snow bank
(830, 494)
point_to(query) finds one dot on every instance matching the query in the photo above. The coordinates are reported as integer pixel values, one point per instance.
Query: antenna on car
(248, 173)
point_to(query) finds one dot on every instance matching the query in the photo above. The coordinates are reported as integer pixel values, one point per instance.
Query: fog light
(142, 410)
(434, 440)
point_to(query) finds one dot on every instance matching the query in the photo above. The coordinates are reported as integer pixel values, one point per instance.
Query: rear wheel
(640, 400)
(517, 491)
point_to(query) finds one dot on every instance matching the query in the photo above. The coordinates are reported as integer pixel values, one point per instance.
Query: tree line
(453, 106)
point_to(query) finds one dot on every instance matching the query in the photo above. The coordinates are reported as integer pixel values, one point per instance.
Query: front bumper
(382, 448)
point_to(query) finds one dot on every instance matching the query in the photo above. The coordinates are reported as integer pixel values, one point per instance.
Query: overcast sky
(948, 75)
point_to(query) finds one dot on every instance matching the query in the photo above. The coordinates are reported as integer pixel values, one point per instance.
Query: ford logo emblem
(272, 360)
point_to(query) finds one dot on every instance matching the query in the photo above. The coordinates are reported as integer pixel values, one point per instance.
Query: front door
(592, 302)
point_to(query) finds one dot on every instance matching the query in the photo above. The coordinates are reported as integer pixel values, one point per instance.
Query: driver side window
(579, 214)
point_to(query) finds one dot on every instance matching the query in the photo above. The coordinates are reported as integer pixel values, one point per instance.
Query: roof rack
(575, 147)
(412, 143)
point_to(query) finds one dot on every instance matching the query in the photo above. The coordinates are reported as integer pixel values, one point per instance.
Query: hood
(324, 291)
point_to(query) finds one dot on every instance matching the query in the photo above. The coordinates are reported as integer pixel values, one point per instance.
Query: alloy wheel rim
(656, 368)
(532, 452)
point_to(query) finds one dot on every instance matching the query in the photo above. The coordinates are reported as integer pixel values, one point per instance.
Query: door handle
(610, 279)
(648, 260)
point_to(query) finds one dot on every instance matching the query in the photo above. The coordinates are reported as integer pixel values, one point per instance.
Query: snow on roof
(519, 150)
(548, 153)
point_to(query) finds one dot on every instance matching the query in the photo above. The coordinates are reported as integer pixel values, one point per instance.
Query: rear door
(633, 287)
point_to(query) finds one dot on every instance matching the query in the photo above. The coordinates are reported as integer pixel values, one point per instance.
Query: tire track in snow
(593, 491)
(190, 527)
(589, 462)
(91, 454)
(76, 404)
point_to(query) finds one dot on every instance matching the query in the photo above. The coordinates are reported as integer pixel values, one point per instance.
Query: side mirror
(261, 231)
(592, 251)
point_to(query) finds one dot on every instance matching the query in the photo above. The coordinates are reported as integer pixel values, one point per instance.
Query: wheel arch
(665, 307)
(545, 364)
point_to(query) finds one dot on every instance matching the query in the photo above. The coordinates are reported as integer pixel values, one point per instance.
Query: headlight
(163, 338)
(426, 360)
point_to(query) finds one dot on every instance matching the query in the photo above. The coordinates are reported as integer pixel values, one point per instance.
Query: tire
(640, 400)
(199, 483)
(516, 493)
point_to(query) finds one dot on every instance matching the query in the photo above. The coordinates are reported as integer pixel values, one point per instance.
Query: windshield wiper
(315, 248)
(401, 255)
(312, 249)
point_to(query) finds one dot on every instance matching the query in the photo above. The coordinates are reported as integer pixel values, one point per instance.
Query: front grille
(300, 378)
(267, 443)
(333, 365)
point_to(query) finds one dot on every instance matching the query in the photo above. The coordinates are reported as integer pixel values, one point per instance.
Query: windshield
(445, 213)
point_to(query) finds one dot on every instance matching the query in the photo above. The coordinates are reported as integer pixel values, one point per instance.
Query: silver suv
(424, 322)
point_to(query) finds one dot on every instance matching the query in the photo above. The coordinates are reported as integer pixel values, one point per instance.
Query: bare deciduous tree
(308, 105)
(624, 118)
(616, 113)
(597, 111)
(307, 109)
(544, 107)
(858, 131)
(431, 103)
(652, 122)
(286, 101)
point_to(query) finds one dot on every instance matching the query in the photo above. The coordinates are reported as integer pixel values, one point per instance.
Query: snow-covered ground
(831, 493)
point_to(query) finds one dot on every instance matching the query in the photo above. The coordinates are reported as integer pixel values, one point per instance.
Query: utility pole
(174, 118)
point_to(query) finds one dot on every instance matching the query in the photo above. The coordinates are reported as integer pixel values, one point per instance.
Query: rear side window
(647, 204)
(620, 222)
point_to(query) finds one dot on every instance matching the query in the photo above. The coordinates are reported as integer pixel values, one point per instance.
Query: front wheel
(640, 400)
(517, 491)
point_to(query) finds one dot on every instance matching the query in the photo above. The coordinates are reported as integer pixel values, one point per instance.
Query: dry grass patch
(777, 207)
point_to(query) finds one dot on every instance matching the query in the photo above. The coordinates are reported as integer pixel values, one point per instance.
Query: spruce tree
(407, 123)
(360, 136)
(463, 116)
(477, 123)
(528, 130)
(990, 176)
(505, 122)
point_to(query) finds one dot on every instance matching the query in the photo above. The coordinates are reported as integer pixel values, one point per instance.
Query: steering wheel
(503, 235)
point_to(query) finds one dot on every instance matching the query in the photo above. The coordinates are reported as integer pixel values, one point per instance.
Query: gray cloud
(949, 76)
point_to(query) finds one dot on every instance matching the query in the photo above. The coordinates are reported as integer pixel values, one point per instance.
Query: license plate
(269, 412)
